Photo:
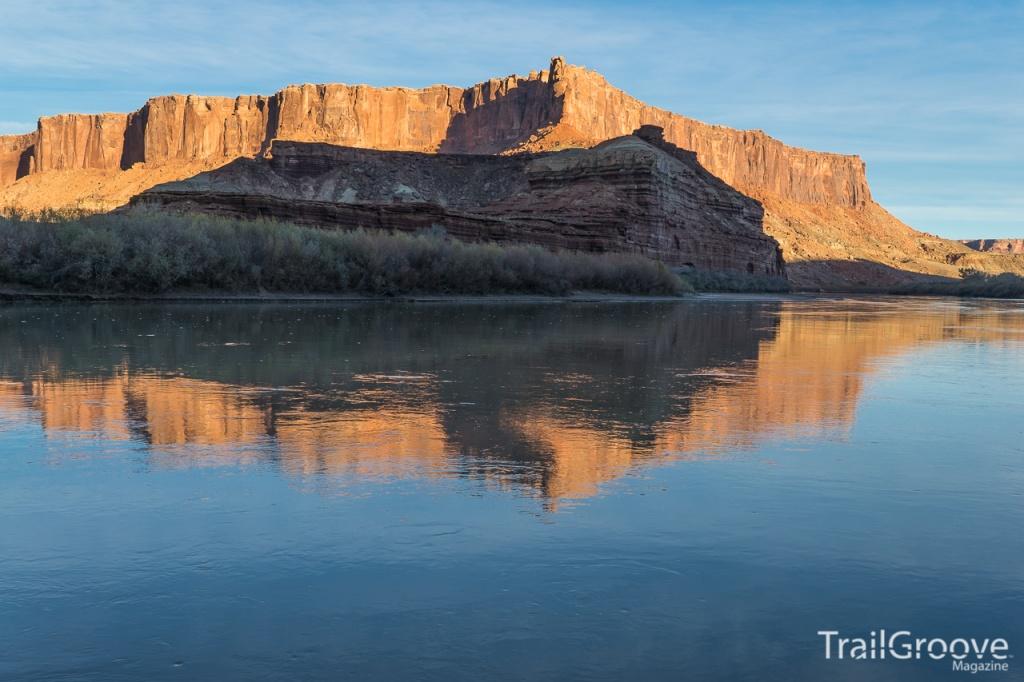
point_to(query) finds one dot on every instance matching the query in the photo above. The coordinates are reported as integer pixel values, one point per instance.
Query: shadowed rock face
(634, 194)
(996, 245)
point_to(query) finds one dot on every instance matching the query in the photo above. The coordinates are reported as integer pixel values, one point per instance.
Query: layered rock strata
(631, 194)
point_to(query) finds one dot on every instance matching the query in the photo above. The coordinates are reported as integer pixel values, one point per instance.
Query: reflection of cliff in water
(553, 399)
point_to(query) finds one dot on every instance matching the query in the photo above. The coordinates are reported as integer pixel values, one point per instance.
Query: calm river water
(634, 491)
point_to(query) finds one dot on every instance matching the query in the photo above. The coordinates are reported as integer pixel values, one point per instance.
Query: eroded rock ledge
(636, 193)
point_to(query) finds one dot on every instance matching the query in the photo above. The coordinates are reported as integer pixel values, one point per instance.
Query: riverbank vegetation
(733, 282)
(146, 253)
(974, 284)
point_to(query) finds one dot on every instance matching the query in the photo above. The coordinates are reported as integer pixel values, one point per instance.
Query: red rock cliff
(15, 157)
(566, 106)
(74, 141)
(750, 160)
(192, 128)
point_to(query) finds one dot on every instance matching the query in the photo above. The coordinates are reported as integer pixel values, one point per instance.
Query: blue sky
(930, 94)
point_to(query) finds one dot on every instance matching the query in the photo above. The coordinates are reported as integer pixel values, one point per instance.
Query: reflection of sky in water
(846, 465)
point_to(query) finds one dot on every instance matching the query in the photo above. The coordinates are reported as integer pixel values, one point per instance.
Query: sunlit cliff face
(517, 422)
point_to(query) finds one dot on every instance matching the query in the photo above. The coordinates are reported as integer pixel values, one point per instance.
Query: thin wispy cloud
(906, 86)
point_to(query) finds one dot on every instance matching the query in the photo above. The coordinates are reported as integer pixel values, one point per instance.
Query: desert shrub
(974, 284)
(736, 282)
(148, 252)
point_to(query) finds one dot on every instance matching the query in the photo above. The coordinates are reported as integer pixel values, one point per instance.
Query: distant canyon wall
(561, 107)
(1008, 246)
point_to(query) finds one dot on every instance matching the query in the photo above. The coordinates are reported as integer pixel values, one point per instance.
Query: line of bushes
(975, 284)
(733, 282)
(146, 252)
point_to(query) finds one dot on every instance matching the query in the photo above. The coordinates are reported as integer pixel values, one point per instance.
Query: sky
(930, 94)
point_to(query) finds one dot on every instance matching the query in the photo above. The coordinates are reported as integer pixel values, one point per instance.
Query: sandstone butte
(817, 205)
